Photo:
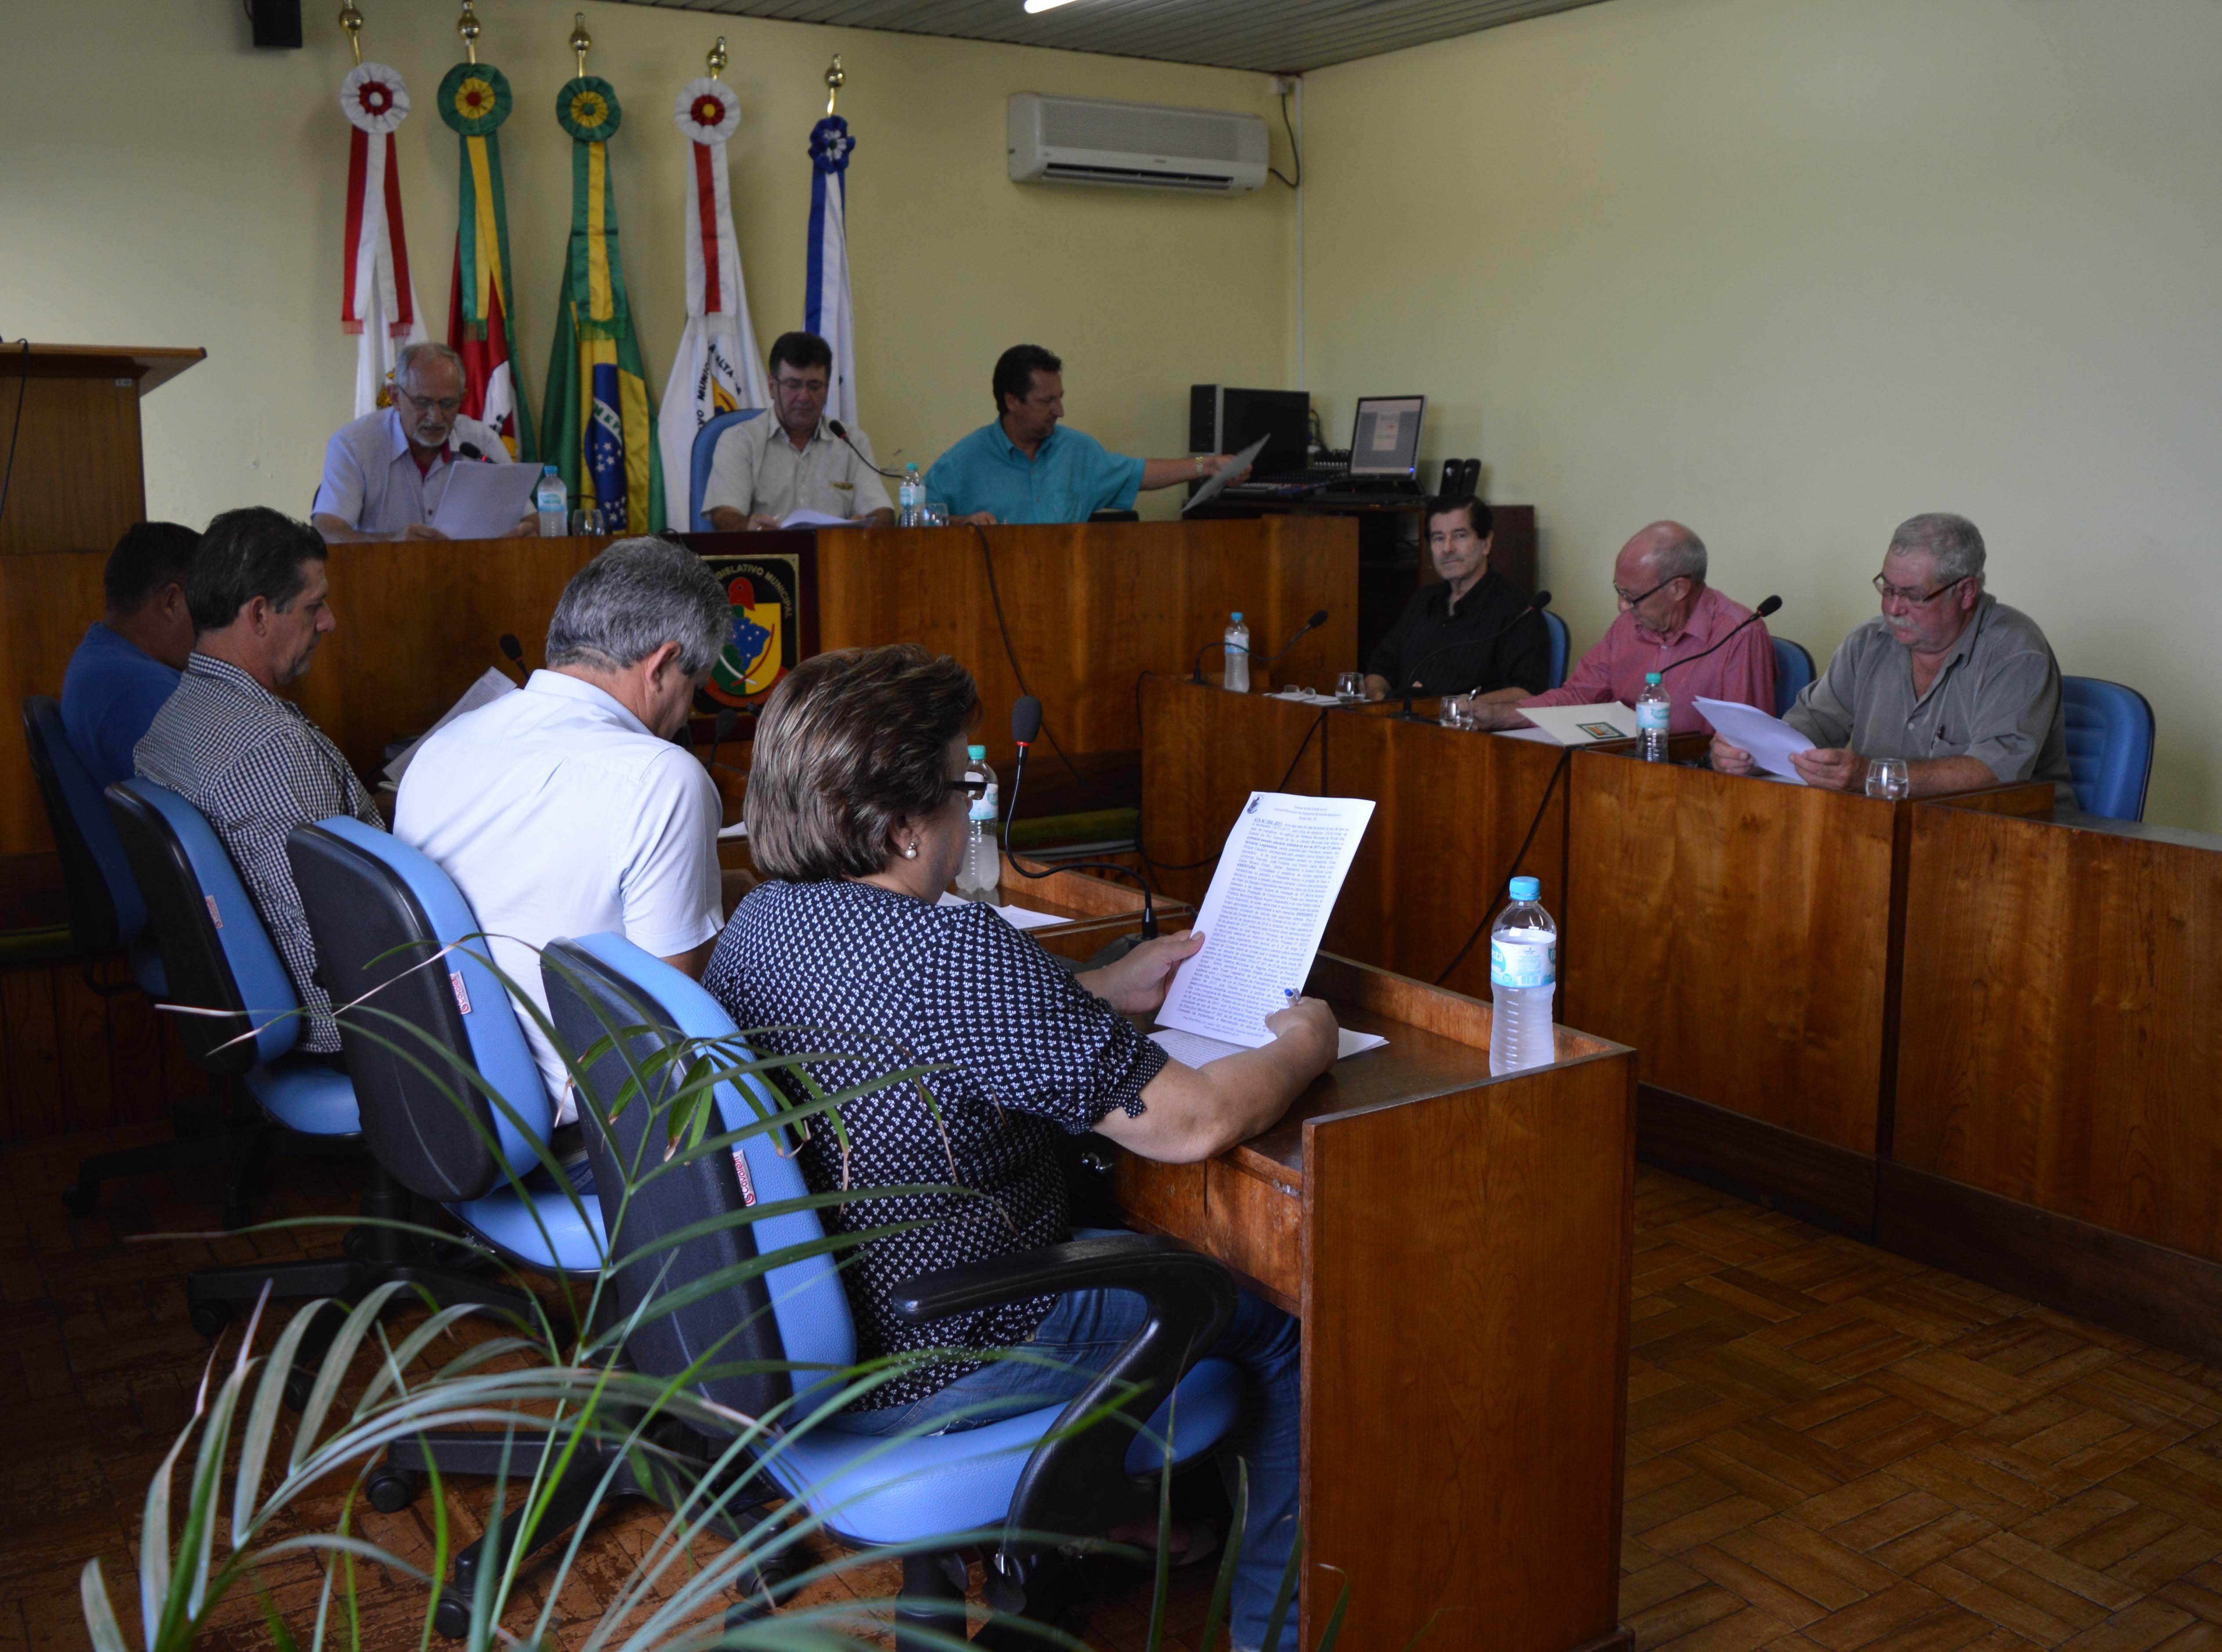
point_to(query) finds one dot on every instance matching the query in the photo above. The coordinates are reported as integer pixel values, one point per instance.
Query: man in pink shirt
(1668, 616)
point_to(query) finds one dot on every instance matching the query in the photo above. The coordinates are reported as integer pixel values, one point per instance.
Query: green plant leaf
(99, 1612)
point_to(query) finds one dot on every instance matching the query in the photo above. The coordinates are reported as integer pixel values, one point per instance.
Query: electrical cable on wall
(16, 429)
(1296, 151)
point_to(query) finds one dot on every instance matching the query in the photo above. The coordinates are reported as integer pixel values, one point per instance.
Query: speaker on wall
(277, 22)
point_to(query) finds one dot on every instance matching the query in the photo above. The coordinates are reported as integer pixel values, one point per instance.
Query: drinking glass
(934, 513)
(587, 522)
(1887, 778)
(1457, 711)
(1349, 688)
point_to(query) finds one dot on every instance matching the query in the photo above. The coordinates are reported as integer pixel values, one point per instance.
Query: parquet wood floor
(1830, 1448)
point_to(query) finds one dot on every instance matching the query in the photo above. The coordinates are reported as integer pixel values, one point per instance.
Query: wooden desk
(1459, 1247)
(1744, 935)
(1453, 807)
(2057, 1129)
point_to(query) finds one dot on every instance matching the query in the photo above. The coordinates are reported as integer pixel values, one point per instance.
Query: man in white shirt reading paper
(564, 809)
(385, 474)
(789, 460)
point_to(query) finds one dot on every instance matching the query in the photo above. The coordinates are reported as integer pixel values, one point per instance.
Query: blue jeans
(1084, 1331)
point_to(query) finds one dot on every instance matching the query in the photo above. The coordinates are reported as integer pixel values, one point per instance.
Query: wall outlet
(1280, 85)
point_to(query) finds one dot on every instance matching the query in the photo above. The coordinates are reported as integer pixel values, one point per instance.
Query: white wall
(164, 183)
(1793, 270)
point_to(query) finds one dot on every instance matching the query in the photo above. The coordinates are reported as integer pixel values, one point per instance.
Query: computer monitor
(1384, 439)
(1222, 419)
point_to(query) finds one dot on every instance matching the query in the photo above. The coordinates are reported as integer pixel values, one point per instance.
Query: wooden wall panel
(2060, 1042)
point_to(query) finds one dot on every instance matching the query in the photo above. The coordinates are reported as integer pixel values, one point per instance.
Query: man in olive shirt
(1471, 632)
(1947, 676)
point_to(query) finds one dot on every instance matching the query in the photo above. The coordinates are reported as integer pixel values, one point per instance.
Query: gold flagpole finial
(581, 41)
(717, 58)
(351, 21)
(468, 27)
(834, 81)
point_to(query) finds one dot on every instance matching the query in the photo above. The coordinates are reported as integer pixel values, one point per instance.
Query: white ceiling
(1284, 35)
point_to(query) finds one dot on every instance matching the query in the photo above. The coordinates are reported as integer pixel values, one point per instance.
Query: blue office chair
(219, 958)
(1557, 628)
(698, 464)
(868, 1490)
(2110, 746)
(453, 1104)
(1793, 670)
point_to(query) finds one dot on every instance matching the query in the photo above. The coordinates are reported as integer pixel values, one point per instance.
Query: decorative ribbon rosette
(587, 109)
(830, 144)
(717, 370)
(375, 103)
(475, 100)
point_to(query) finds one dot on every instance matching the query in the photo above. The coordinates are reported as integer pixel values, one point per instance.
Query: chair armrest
(1141, 1262)
(1076, 1484)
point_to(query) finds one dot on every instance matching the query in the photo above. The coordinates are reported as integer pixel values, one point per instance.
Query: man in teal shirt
(1024, 469)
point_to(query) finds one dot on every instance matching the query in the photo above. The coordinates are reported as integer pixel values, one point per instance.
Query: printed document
(1769, 740)
(490, 687)
(1582, 725)
(1018, 917)
(1264, 913)
(483, 501)
(1219, 481)
(1194, 1049)
(814, 519)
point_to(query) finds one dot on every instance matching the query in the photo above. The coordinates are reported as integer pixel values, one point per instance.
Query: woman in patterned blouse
(858, 817)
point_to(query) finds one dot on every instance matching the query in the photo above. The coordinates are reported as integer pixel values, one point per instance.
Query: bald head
(1659, 575)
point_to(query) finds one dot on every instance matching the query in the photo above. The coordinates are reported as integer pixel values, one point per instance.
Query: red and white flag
(379, 300)
(717, 369)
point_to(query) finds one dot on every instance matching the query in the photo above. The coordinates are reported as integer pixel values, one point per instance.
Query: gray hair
(637, 596)
(427, 350)
(1956, 543)
(1682, 557)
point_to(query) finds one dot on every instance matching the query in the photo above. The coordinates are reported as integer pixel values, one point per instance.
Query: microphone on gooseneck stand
(1319, 618)
(513, 650)
(1770, 605)
(722, 730)
(1025, 725)
(1537, 605)
(842, 431)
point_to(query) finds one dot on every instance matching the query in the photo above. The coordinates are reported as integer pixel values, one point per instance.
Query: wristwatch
(1199, 465)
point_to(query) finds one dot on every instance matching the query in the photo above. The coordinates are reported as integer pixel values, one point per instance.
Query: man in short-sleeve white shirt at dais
(564, 809)
(787, 457)
(385, 474)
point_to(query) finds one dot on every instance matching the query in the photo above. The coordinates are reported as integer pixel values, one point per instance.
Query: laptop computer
(1384, 462)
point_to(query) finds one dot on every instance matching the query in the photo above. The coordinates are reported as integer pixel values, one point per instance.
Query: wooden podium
(79, 481)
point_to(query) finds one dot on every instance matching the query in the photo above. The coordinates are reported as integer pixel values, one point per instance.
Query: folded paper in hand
(1768, 739)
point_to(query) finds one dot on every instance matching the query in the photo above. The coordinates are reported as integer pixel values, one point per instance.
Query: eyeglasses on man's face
(1890, 593)
(800, 386)
(1627, 601)
(449, 404)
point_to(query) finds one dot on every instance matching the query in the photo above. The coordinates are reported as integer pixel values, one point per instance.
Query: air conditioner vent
(1135, 146)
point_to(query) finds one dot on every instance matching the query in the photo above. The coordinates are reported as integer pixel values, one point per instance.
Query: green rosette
(587, 109)
(474, 99)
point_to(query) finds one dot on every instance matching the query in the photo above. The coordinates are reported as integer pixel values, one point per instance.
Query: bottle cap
(977, 753)
(1238, 617)
(1527, 888)
(1652, 677)
(548, 469)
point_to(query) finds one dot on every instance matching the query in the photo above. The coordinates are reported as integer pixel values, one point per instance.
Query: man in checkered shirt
(249, 761)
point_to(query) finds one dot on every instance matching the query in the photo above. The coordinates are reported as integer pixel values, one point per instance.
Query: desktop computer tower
(1222, 419)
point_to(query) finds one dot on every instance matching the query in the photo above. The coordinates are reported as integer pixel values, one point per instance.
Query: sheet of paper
(1194, 1049)
(739, 828)
(1219, 481)
(1294, 698)
(1271, 894)
(1542, 736)
(1768, 739)
(814, 519)
(483, 501)
(1584, 725)
(1018, 917)
(490, 687)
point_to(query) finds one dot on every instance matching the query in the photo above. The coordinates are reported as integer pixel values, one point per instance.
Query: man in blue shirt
(1024, 469)
(128, 662)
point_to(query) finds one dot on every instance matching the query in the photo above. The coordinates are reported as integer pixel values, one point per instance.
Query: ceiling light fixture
(1045, 5)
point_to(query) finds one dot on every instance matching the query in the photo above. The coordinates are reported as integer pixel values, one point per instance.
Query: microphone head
(728, 720)
(469, 450)
(512, 648)
(1541, 599)
(1025, 719)
(834, 425)
(1768, 607)
(1318, 619)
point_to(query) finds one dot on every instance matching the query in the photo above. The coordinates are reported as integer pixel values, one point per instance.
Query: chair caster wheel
(391, 1490)
(451, 1615)
(81, 1199)
(209, 1317)
(297, 1385)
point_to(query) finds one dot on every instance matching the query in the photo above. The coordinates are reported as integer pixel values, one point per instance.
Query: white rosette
(708, 111)
(374, 99)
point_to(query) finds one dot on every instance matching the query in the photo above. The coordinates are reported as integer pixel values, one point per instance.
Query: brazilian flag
(599, 420)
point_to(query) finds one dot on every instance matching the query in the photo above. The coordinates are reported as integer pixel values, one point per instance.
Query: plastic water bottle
(1523, 979)
(1654, 712)
(551, 499)
(1237, 655)
(979, 873)
(910, 497)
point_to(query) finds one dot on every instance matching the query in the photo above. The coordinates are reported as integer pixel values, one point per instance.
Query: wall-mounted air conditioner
(1134, 145)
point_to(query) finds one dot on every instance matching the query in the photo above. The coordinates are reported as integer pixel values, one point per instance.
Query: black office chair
(107, 915)
(1014, 1476)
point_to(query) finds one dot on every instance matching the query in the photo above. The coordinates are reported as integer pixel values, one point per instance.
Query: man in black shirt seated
(1470, 634)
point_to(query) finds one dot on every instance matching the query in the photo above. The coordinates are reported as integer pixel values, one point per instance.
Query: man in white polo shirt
(564, 809)
(765, 467)
(385, 474)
